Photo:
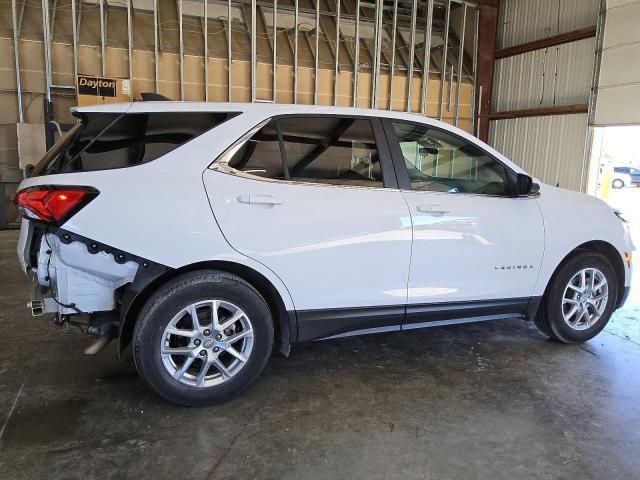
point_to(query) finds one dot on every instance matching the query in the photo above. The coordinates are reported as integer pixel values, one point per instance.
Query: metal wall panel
(550, 148)
(618, 97)
(522, 21)
(553, 76)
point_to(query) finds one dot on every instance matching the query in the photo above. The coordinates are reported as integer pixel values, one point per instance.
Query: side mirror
(428, 151)
(524, 185)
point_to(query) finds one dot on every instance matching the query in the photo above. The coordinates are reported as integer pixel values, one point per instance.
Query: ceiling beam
(548, 42)
(541, 112)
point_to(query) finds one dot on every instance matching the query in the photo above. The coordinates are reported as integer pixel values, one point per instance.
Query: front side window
(439, 162)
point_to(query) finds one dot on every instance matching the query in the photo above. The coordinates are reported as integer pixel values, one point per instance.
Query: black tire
(617, 183)
(177, 294)
(550, 320)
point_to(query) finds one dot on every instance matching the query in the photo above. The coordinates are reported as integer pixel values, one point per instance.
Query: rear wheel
(617, 183)
(580, 299)
(203, 338)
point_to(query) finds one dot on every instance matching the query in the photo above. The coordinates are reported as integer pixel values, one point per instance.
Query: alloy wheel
(585, 299)
(207, 343)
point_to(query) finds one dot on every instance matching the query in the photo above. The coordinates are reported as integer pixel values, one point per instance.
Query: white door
(321, 219)
(476, 250)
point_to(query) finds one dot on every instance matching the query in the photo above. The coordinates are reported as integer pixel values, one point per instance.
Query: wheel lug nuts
(216, 349)
(218, 337)
(203, 353)
(207, 332)
(196, 342)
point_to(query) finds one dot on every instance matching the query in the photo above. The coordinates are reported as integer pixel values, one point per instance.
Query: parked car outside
(633, 173)
(205, 234)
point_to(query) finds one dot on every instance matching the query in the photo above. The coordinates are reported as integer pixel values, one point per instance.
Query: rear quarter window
(103, 141)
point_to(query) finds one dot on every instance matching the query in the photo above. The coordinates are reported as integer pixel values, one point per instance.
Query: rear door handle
(435, 210)
(265, 200)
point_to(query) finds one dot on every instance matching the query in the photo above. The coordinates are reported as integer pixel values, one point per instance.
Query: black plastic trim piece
(119, 256)
(317, 324)
(404, 181)
(389, 174)
(532, 308)
(624, 296)
(457, 310)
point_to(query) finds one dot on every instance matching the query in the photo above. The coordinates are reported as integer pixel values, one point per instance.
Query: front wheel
(617, 183)
(580, 299)
(203, 338)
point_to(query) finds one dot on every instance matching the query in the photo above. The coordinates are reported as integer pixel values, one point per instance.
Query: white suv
(203, 233)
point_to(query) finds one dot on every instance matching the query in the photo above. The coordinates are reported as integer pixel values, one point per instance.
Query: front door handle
(435, 210)
(265, 200)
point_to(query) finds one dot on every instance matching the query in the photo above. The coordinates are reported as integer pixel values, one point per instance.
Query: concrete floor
(494, 400)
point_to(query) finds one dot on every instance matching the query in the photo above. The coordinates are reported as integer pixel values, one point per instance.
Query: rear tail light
(53, 204)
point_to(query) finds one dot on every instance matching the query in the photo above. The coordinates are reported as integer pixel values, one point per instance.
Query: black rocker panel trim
(317, 324)
(458, 310)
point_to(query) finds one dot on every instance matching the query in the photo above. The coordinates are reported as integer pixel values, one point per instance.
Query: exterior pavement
(486, 401)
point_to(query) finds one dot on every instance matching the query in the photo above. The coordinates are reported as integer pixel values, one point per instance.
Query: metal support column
(487, 33)
(443, 73)
(229, 52)
(47, 53)
(295, 54)
(450, 92)
(337, 55)
(205, 37)
(376, 56)
(275, 46)
(130, 43)
(16, 56)
(412, 52)
(254, 11)
(426, 62)
(155, 44)
(316, 55)
(460, 59)
(356, 57)
(181, 49)
(102, 41)
(74, 40)
(392, 67)
(474, 72)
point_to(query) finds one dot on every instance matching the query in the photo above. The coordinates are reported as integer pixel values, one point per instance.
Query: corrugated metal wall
(618, 100)
(542, 78)
(551, 148)
(522, 21)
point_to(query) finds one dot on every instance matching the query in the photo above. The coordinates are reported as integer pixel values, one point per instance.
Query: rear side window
(260, 155)
(104, 141)
(339, 151)
(333, 150)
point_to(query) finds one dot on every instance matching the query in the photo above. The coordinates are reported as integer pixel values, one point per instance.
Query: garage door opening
(614, 176)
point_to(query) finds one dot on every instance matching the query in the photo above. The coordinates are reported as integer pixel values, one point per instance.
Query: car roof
(267, 109)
